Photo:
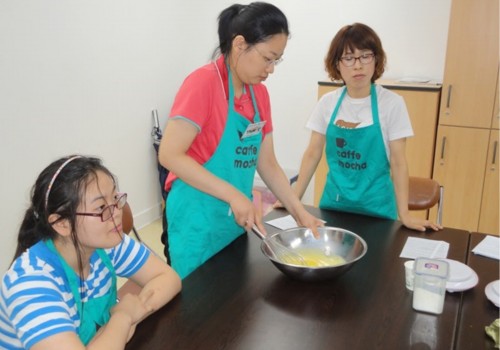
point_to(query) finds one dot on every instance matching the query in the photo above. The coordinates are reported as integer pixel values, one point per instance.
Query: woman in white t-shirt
(364, 129)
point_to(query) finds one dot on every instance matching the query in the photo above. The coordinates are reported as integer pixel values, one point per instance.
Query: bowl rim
(363, 242)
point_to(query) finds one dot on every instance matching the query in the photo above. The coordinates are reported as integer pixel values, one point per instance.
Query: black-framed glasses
(107, 211)
(350, 60)
(269, 62)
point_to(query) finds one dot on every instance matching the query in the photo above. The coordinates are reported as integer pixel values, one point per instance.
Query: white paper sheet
(489, 247)
(283, 223)
(424, 248)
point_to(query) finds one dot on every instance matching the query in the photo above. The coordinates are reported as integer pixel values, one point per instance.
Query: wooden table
(477, 311)
(239, 300)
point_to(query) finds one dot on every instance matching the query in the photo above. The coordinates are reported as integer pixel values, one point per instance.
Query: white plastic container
(429, 285)
(409, 275)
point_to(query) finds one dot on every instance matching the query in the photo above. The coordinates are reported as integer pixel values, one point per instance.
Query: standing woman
(60, 291)
(364, 127)
(218, 134)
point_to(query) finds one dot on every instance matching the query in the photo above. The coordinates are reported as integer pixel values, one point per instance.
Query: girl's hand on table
(136, 307)
(418, 224)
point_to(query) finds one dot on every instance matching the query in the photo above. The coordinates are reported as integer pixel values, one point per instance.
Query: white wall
(83, 77)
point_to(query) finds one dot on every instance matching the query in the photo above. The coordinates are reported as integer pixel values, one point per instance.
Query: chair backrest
(128, 222)
(129, 287)
(127, 219)
(425, 193)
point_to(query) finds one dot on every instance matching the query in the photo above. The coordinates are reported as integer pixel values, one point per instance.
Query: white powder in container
(427, 301)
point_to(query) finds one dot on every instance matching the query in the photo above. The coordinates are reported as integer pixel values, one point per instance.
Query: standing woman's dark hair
(59, 189)
(256, 22)
(355, 36)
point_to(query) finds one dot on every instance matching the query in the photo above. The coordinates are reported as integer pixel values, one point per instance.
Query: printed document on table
(489, 247)
(283, 223)
(424, 248)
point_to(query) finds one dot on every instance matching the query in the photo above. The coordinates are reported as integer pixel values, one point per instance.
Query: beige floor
(150, 235)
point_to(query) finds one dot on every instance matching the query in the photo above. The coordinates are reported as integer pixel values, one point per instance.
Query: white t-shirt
(393, 115)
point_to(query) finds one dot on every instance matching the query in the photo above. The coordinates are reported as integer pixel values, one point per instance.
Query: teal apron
(359, 179)
(200, 225)
(96, 311)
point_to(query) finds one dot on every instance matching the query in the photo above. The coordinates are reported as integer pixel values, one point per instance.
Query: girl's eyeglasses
(349, 60)
(107, 212)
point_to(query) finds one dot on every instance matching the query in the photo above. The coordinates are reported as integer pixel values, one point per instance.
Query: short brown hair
(355, 36)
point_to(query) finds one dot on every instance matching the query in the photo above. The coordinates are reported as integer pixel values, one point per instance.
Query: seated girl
(60, 291)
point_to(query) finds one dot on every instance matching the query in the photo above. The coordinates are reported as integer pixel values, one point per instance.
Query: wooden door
(488, 220)
(496, 111)
(471, 64)
(459, 168)
(423, 110)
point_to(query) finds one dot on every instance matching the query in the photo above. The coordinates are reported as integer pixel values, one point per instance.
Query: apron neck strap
(373, 101)
(231, 95)
(373, 97)
(73, 279)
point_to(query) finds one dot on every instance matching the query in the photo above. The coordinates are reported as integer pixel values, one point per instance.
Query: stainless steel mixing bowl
(332, 240)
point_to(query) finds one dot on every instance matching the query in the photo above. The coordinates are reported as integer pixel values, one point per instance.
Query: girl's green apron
(358, 180)
(200, 225)
(95, 312)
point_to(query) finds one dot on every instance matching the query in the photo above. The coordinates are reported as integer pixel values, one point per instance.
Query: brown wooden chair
(129, 287)
(128, 222)
(424, 194)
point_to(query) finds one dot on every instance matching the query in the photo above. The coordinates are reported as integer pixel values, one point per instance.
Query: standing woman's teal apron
(359, 179)
(200, 225)
(95, 312)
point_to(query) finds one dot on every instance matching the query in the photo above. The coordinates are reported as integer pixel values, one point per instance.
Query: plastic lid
(432, 267)
(458, 271)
